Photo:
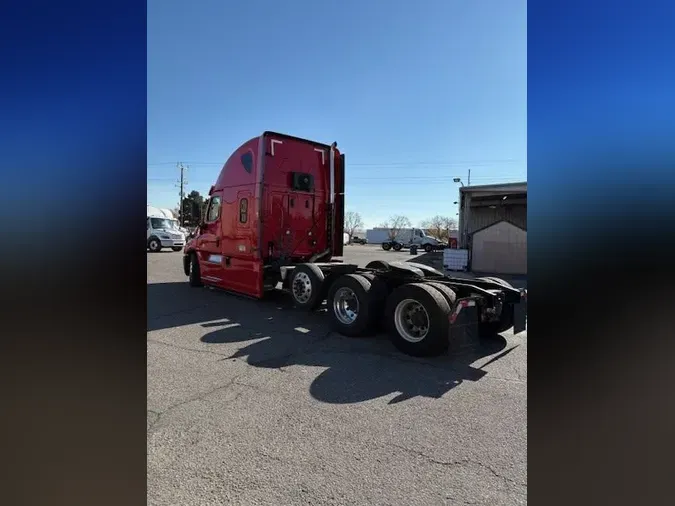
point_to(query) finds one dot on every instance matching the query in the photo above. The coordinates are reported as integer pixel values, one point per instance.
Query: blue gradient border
(601, 160)
(73, 156)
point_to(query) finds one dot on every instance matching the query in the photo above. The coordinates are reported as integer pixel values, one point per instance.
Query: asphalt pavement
(257, 403)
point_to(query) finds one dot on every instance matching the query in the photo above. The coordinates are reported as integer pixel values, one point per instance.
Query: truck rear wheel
(417, 317)
(505, 322)
(306, 286)
(378, 265)
(446, 291)
(378, 295)
(428, 248)
(498, 280)
(353, 305)
(386, 246)
(398, 246)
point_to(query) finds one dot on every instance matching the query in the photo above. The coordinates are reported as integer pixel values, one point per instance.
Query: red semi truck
(276, 216)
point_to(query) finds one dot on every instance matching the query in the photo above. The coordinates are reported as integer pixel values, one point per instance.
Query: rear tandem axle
(423, 310)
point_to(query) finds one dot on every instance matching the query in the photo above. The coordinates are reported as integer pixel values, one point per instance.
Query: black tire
(177, 248)
(366, 298)
(436, 340)
(428, 248)
(378, 265)
(195, 276)
(426, 269)
(379, 292)
(505, 322)
(307, 278)
(154, 245)
(498, 280)
(386, 246)
(447, 292)
(398, 246)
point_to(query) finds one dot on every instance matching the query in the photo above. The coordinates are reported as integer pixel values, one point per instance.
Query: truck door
(209, 242)
(241, 266)
(419, 236)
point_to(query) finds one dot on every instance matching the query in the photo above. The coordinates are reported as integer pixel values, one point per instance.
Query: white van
(161, 233)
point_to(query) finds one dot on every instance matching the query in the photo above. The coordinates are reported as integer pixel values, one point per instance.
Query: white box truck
(405, 238)
(162, 232)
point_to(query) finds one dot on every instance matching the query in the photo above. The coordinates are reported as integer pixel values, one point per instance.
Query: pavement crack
(200, 397)
(460, 463)
(508, 380)
(155, 418)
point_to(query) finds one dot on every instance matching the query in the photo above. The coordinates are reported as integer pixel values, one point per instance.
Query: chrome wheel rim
(346, 305)
(411, 320)
(302, 287)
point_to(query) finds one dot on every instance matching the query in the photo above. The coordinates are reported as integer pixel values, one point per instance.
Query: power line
(426, 178)
(385, 164)
(395, 178)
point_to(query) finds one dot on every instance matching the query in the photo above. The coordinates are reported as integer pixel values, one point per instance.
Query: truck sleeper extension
(276, 216)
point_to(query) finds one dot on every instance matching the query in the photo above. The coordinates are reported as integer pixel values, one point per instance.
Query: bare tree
(439, 226)
(352, 222)
(395, 224)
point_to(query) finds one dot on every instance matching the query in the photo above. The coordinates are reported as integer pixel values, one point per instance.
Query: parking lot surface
(257, 403)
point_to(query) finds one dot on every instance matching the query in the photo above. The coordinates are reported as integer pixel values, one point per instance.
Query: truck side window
(247, 161)
(214, 210)
(243, 211)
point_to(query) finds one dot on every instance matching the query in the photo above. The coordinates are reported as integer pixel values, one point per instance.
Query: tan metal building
(493, 227)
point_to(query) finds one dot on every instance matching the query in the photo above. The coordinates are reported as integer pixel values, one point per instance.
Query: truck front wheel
(195, 277)
(428, 248)
(154, 245)
(306, 286)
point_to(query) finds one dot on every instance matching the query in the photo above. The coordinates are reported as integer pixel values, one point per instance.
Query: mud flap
(463, 333)
(520, 316)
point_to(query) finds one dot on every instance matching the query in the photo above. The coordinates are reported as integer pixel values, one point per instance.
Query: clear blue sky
(415, 93)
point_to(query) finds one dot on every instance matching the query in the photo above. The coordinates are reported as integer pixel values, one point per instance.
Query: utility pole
(183, 183)
(468, 181)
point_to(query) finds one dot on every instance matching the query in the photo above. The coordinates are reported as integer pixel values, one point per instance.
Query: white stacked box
(455, 259)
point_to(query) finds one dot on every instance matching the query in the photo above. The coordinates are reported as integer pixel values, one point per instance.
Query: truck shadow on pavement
(275, 335)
